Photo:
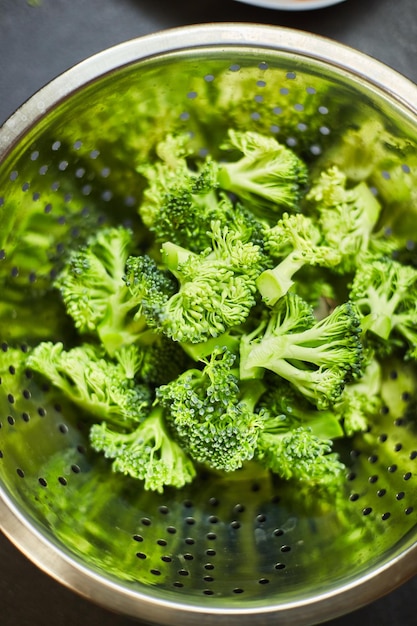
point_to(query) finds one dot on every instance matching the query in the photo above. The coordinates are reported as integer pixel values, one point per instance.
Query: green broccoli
(168, 172)
(154, 359)
(348, 218)
(244, 325)
(95, 292)
(216, 287)
(150, 287)
(97, 385)
(353, 412)
(267, 175)
(385, 294)
(296, 241)
(294, 452)
(148, 453)
(361, 400)
(180, 203)
(211, 416)
(317, 357)
(283, 399)
(92, 289)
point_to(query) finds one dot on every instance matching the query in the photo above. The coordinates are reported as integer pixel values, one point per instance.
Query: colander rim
(344, 58)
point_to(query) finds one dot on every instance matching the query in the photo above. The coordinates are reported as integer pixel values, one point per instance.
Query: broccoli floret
(94, 293)
(185, 218)
(282, 399)
(348, 217)
(148, 453)
(211, 416)
(168, 172)
(96, 384)
(296, 241)
(353, 412)
(107, 291)
(216, 287)
(154, 359)
(296, 453)
(361, 400)
(150, 287)
(385, 294)
(318, 358)
(267, 175)
(180, 203)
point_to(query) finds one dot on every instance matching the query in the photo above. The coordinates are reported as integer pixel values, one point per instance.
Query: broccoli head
(348, 217)
(163, 174)
(267, 175)
(93, 291)
(296, 453)
(154, 359)
(210, 416)
(150, 287)
(93, 382)
(186, 214)
(181, 201)
(217, 287)
(148, 453)
(385, 294)
(182, 209)
(296, 241)
(317, 357)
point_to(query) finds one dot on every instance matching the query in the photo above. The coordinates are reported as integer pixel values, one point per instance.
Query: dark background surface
(39, 42)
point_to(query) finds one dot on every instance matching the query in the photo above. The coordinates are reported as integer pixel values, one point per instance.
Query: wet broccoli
(295, 241)
(385, 294)
(211, 416)
(317, 357)
(148, 453)
(267, 175)
(90, 380)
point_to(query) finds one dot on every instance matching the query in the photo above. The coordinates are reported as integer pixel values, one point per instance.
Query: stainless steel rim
(380, 580)
(372, 72)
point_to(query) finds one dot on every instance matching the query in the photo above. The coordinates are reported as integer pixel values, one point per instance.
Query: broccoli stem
(115, 331)
(236, 178)
(276, 282)
(304, 379)
(174, 255)
(198, 351)
(382, 307)
(251, 392)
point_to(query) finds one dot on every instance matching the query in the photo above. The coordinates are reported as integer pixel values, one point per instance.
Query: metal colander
(232, 549)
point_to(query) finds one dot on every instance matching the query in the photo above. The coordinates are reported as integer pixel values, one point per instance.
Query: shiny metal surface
(69, 112)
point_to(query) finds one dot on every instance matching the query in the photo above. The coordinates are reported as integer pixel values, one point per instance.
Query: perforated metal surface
(223, 547)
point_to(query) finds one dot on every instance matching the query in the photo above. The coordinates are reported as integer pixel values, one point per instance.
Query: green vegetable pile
(253, 327)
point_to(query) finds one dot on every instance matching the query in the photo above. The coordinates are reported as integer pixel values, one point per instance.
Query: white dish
(292, 5)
